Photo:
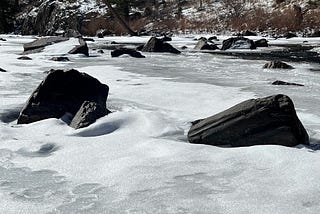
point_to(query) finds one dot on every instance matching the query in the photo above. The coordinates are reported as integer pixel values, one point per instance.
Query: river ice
(137, 159)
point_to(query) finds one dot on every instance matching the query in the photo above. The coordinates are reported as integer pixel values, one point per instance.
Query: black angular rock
(276, 64)
(157, 45)
(289, 35)
(248, 33)
(2, 70)
(131, 52)
(80, 49)
(24, 58)
(261, 43)
(203, 45)
(279, 82)
(88, 113)
(63, 92)
(238, 43)
(60, 59)
(264, 121)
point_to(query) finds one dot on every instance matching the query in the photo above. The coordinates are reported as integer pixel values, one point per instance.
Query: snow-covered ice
(137, 159)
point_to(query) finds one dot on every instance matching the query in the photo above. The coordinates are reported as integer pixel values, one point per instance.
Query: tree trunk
(119, 19)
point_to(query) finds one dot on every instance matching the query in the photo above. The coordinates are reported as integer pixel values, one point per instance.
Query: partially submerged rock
(279, 82)
(276, 64)
(63, 92)
(269, 120)
(157, 45)
(60, 59)
(80, 49)
(261, 43)
(24, 58)
(39, 44)
(131, 52)
(238, 43)
(203, 45)
(2, 70)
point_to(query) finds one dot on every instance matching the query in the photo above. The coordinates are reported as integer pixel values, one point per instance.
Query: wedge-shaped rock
(157, 45)
(269, 120)
(63, 92)
(80, 49)
(276, 64)
(88, 113)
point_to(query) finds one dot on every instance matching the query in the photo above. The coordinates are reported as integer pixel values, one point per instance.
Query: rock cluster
(64, 92)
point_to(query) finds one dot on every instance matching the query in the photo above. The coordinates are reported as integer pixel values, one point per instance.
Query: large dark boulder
(261, 43)
(131, 52)
(2, 70)
(80, 49)
(157, 45)
(269, 120)
(276, 64)
(63, 92)
(203, 45)
(38, 44)
(238, 43)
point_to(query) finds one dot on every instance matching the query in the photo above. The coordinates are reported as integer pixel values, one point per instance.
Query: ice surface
(137, 159)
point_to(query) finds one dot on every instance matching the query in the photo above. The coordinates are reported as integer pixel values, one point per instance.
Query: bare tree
(120, 19)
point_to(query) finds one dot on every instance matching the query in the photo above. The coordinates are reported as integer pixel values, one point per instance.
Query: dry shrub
(286, 20)
(311, 19)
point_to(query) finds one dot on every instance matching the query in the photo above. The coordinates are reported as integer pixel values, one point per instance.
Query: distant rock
(88, 113)
(213, 38)
(157, 45)
(184, 47)
(63, 92)
(88, 40)
(72, 33)
(60, 59)
(100, 51)
(38, 45)
(203, 45)
(2, 70)
(2, 39)
(238, 43)
(131, 52)
(289, 35)
(24, 58)
(101, 33)
(315, 34)
(263, 121)
(261, 43)
(248, 33)
(279, 82)
(276, 64)
(80, 49)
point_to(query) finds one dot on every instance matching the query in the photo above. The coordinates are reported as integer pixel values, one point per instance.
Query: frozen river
(137, 159)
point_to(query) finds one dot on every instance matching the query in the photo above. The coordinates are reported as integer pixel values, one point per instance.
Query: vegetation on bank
(161, 16)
